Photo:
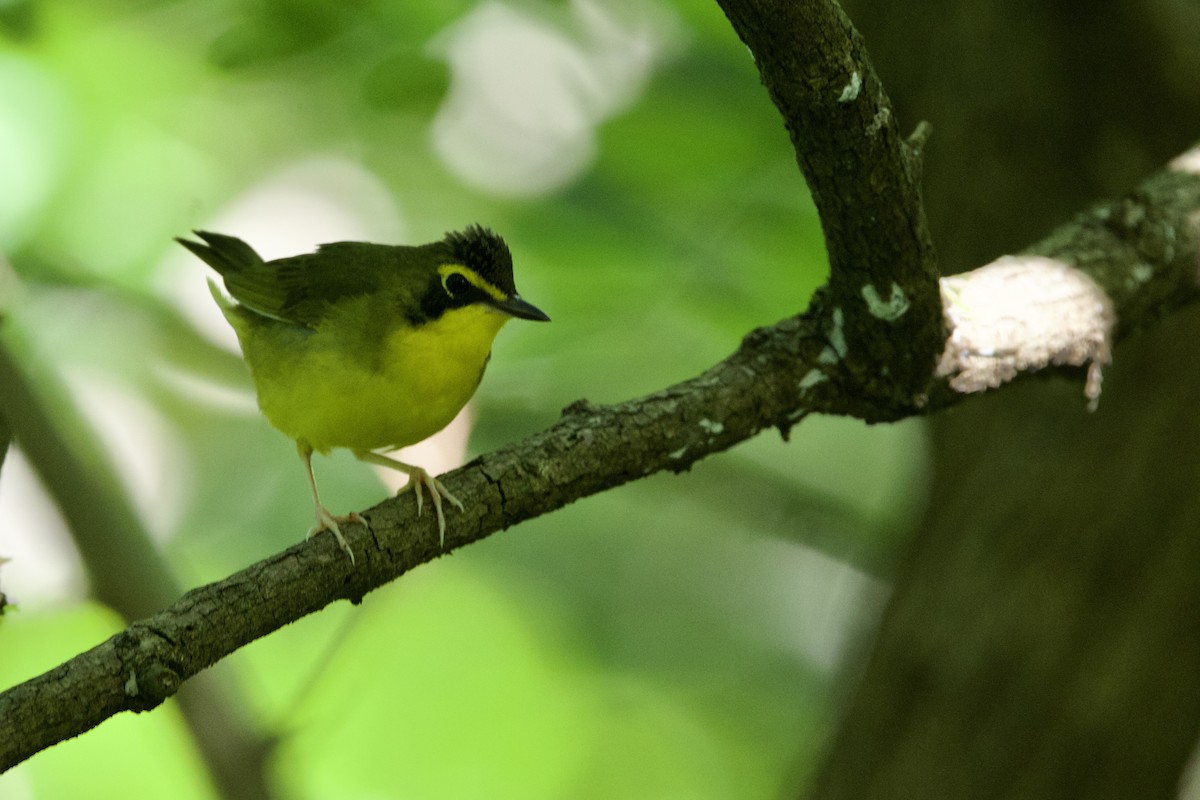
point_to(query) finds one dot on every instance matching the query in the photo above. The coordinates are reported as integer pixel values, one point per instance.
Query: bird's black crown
(485, 252)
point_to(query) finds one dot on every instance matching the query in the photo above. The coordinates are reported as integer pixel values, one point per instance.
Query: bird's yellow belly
(405, 390)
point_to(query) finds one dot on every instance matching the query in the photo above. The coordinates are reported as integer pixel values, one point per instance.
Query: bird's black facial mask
(452, 286)
(476, 268)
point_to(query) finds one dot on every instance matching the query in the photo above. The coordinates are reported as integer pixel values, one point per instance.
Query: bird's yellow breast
(330, 391)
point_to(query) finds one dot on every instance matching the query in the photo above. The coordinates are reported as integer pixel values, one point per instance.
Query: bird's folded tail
(223, 301)
(228, 255)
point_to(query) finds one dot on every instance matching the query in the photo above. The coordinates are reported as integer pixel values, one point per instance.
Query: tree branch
(862, 349)
(591, 449)
(1118, 268)
(777, 376)
(865, 181)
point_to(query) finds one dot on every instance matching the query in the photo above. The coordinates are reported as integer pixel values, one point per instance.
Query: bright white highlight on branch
(1187, 162)
(1022, 313)
(888, 310)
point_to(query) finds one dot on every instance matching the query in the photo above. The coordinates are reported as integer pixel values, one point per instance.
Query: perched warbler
(367, 346)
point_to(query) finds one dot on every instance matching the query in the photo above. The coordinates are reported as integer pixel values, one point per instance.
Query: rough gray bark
(865, 181)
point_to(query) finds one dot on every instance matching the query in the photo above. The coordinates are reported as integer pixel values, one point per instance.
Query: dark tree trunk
(1043, 640)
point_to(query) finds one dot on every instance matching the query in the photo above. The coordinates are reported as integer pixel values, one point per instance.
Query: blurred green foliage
(673, 638)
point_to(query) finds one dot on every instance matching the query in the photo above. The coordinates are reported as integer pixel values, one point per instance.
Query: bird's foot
(330, 522)
(419, 479)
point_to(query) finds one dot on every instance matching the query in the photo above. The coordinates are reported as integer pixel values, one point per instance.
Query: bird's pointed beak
(520, 309)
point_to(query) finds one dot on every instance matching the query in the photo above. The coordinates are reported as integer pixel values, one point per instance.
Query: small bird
(367, 346)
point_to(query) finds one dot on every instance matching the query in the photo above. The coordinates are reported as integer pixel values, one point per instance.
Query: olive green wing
(297, 290)
(311, 283)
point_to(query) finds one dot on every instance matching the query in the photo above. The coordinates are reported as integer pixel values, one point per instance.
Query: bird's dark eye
(456, 284)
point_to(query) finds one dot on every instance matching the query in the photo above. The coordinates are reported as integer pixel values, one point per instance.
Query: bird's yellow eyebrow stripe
(446, 270)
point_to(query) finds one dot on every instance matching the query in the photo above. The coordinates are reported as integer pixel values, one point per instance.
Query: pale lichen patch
(811, 379)
(881, 118)
(888, 310)
(835, 337)
(850, 90)
(837, 333)
(1023, 313)
(714, 428)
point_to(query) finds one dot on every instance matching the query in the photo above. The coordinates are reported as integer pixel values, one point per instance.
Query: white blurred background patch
(526, 94)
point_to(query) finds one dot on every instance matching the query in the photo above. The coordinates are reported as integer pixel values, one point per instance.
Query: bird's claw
(420, 479)
(330, 522)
